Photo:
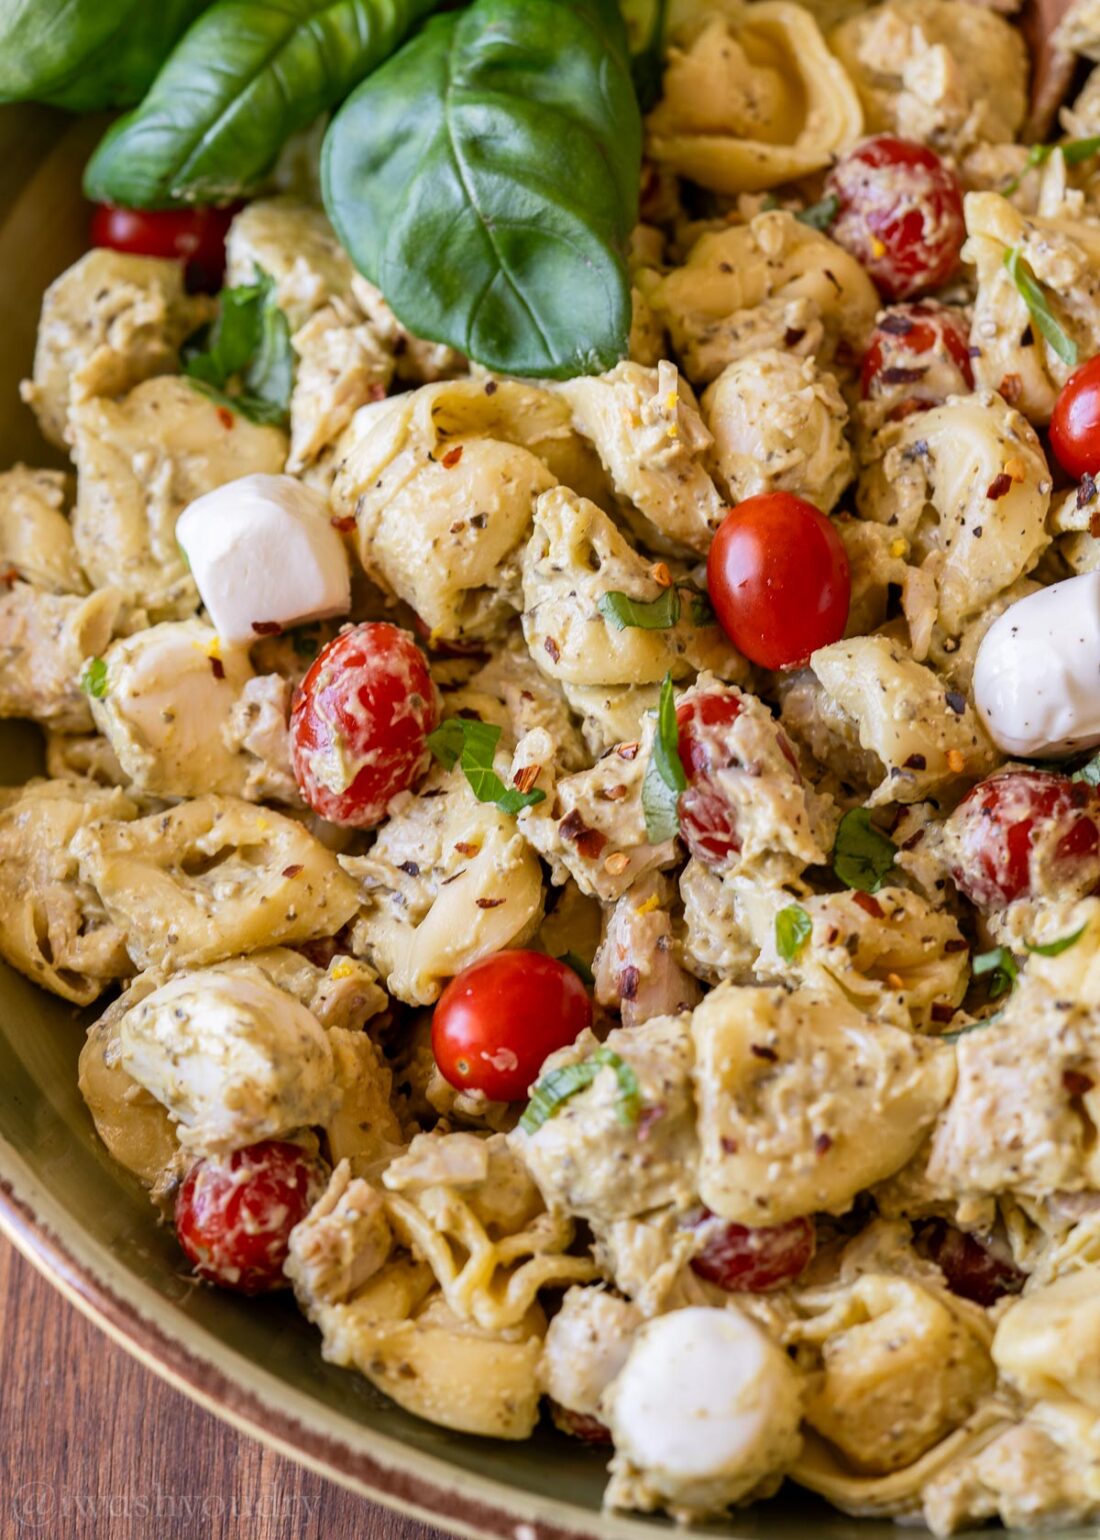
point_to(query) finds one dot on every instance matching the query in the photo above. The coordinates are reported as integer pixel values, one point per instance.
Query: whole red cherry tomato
(499, 1020)
(778, 578)
(901, 214)
(708, 820)
(234, 1215)
(753, 1261)
(974, 1269)
(919, 355)
(1075, 424)
(195, 236)
(359, 723)
(1025, 834)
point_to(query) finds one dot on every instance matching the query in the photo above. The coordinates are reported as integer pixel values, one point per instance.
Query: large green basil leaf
(87, 55)
(248, 74)
(486, 179)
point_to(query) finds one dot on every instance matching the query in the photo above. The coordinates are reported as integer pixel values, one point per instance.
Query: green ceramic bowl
(88, 1225)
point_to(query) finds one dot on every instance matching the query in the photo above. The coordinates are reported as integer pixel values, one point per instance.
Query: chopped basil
(555, 1089)
(579, 967)
(792, 930)
(1001, 967)
(819, 216)
(93, 681)
(245, 360)
(1089, 773)
(471, 745)
(1034, 297)
(660, 614)
(862, 855)
(702, 611)
(664, 778)
(1056, 948)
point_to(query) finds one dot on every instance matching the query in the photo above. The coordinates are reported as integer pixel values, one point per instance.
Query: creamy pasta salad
(591, 879)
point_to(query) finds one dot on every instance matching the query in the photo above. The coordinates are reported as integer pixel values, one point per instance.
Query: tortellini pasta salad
(594, 883)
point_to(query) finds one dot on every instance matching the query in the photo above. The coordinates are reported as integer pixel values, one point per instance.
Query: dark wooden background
(93, 1446)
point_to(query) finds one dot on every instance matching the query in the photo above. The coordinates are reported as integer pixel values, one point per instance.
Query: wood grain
(94, 1447)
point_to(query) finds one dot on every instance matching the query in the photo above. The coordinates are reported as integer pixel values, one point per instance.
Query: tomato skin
(1025, 834)
(368, 701)
(778, 579)
(195, 236)
(1075, 423)
(919, 337)
(972, 1269)
(753, 1260)
(234, 1215)
(901, 214)
(499, 1020)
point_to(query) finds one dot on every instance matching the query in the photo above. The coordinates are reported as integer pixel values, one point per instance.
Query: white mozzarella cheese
(1037, 674)
(263, 551)
(706, 1408)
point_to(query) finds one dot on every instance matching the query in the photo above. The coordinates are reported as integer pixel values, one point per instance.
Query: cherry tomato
(753, 1261)
(972, 1268)
(901, 214)
(1025, 834)
(195, 236)
(234, 1215)
(778, 578)
(498, 1021)
(918, 356)
(1075, 424)
(708, 820)
(359, 723)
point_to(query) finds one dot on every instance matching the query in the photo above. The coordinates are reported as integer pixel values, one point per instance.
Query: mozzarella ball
(264, 553)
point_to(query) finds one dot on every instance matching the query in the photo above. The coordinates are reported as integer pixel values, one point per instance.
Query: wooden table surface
(95, 1447)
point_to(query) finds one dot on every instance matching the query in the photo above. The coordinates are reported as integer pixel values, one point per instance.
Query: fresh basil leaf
(248, 75)
(245, 360)
(820, 216)
(1089, 773)
(87, 55)
(1034, 297)
(1056, 948)
(471, 744)
(702, 611)
(792, 930)
(862, 855)
(1074, 151)
(1001, 967)
(647, 65)
(579, 967)
(555, 1089)
(664, 777)
(660, 614)
(486, 179)
(93, 681)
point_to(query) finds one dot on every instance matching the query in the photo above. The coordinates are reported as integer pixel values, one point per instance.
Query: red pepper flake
(628, 750)
(525, 778)
(10, 576)
(956, 944)
(660, 574)
(1075, 1083)
(894, 324)
(913, 841)
(762, 1051)
(465, 848)
(1011, 388)
(793, 336)
(999, 487)
(1086, 490)
(832, 935)
(345, 522)
(218, 668)
(452, 457)
(226, 418)
(614, 793)
(588, 841)
(868, 904)
(907, 407)
(901, 375)
(822, 1144)
(488, 903)
(942, 1012)
(729, 1146)
(267, 628)
(292, 871)
(629, 979)
(648, 1117)
(552, 648)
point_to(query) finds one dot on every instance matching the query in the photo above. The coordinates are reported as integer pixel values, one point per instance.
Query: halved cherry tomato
(1075, 424)
(499, 1020)
(972, 1267)
(753, 1260)
(778, 578)
(919, 355)
(195, 236)
(901, 214)
(359, 723)
(1025, 834)
(234, 1215)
